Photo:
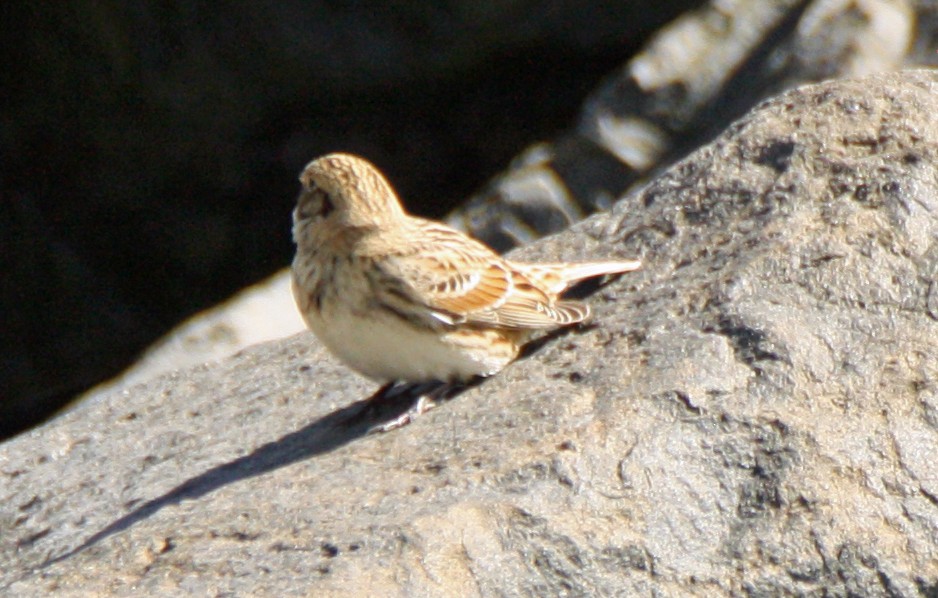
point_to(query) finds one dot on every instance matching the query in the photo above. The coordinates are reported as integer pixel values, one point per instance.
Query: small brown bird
(401, 298)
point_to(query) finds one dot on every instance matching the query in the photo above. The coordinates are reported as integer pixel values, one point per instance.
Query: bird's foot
(424, 403)
(397, 404)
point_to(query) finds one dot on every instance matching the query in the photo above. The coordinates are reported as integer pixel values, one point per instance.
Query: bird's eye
(314, 203)
(326, 205)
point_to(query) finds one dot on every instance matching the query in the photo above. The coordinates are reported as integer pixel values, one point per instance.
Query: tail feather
(559, 277)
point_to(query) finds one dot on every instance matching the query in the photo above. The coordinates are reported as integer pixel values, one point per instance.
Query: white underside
(386, 348)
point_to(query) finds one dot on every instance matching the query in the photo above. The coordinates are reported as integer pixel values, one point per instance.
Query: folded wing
(462, 281)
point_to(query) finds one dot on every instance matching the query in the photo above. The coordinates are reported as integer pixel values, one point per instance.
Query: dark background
(150, 149)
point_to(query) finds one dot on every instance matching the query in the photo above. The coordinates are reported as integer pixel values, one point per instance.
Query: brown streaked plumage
(401, 298)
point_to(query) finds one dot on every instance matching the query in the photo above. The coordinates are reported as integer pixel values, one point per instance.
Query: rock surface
(756, 412)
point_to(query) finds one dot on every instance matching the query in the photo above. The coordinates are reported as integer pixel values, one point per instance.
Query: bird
(403, 299)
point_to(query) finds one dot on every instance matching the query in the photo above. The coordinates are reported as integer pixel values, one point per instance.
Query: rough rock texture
(755, 413)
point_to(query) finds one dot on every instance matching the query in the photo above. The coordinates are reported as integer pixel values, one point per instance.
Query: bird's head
(343, 194)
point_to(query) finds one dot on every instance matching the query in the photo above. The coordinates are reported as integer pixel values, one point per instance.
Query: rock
(695, 76)
(756, 412)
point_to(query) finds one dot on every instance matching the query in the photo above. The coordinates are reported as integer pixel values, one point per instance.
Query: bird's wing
(459, 280)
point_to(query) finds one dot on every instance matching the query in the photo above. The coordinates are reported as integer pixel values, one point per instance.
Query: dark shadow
(321, 436)
(533, 346)
(590, 286)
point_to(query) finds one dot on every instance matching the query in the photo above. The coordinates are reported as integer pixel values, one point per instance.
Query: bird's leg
(422, 405)
(426, 395)
(403, 402)
(429, 395)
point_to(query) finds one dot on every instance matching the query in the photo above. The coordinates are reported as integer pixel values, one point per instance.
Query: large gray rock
(756, 412)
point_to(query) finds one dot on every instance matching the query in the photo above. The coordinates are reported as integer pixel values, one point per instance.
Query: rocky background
(754, 413)
(150, 152)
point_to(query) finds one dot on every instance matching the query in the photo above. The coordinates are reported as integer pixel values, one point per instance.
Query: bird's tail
(558, 277)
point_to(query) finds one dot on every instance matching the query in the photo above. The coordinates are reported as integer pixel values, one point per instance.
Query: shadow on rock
(321, 436)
